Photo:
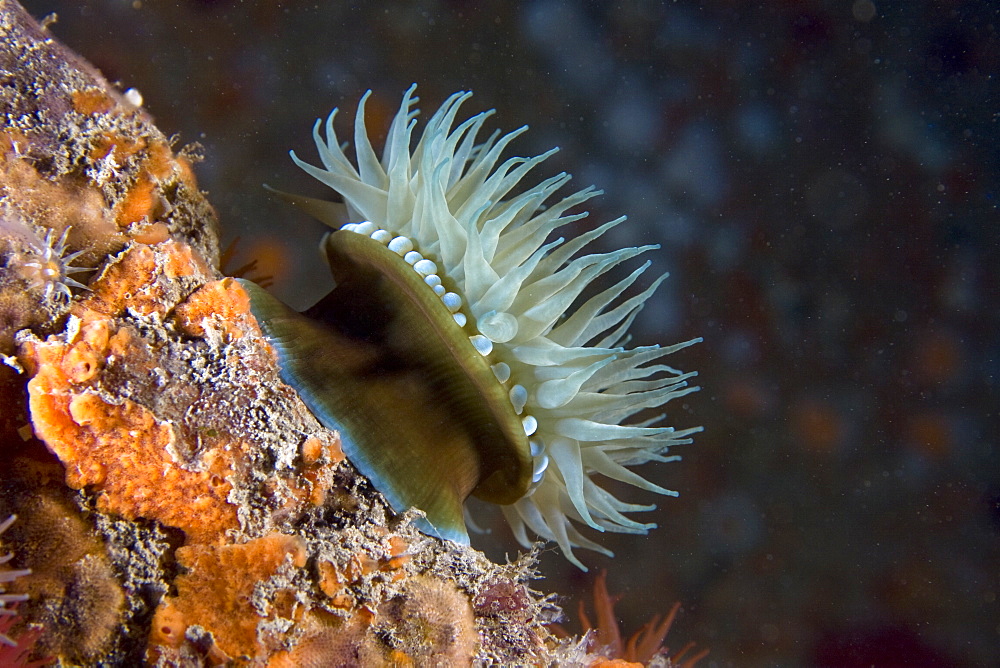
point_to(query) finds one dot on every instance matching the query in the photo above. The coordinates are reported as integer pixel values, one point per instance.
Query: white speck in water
(133, 97)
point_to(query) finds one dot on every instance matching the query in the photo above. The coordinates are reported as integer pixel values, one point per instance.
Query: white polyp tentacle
(425, 267)
(452, 301)
(518, 398)
(481, 344)
(401, 245)
(366, 228)
(502, 371)
(538, 468)
(530, 425)
(10, 575)
(50, 267)
(382, 236)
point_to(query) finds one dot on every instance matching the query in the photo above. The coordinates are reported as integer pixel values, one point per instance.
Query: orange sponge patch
(121, 450)
(143, 280)
(120, 397)
(220, 305)
(92, 101)
(219, 593)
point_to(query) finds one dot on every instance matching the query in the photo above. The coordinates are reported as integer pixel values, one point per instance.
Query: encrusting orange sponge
(138, 426)
(219, 592)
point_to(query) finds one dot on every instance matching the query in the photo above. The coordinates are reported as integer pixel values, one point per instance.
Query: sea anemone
(9, 575)
(51, 267)
(45, 265)
(535, 368)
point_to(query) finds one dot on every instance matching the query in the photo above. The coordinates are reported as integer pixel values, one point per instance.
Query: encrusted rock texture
(176, 503)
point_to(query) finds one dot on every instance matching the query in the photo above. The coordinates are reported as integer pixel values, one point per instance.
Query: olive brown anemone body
(460, 351)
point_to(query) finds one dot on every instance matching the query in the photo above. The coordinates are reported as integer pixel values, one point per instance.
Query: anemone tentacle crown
(537, 373)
